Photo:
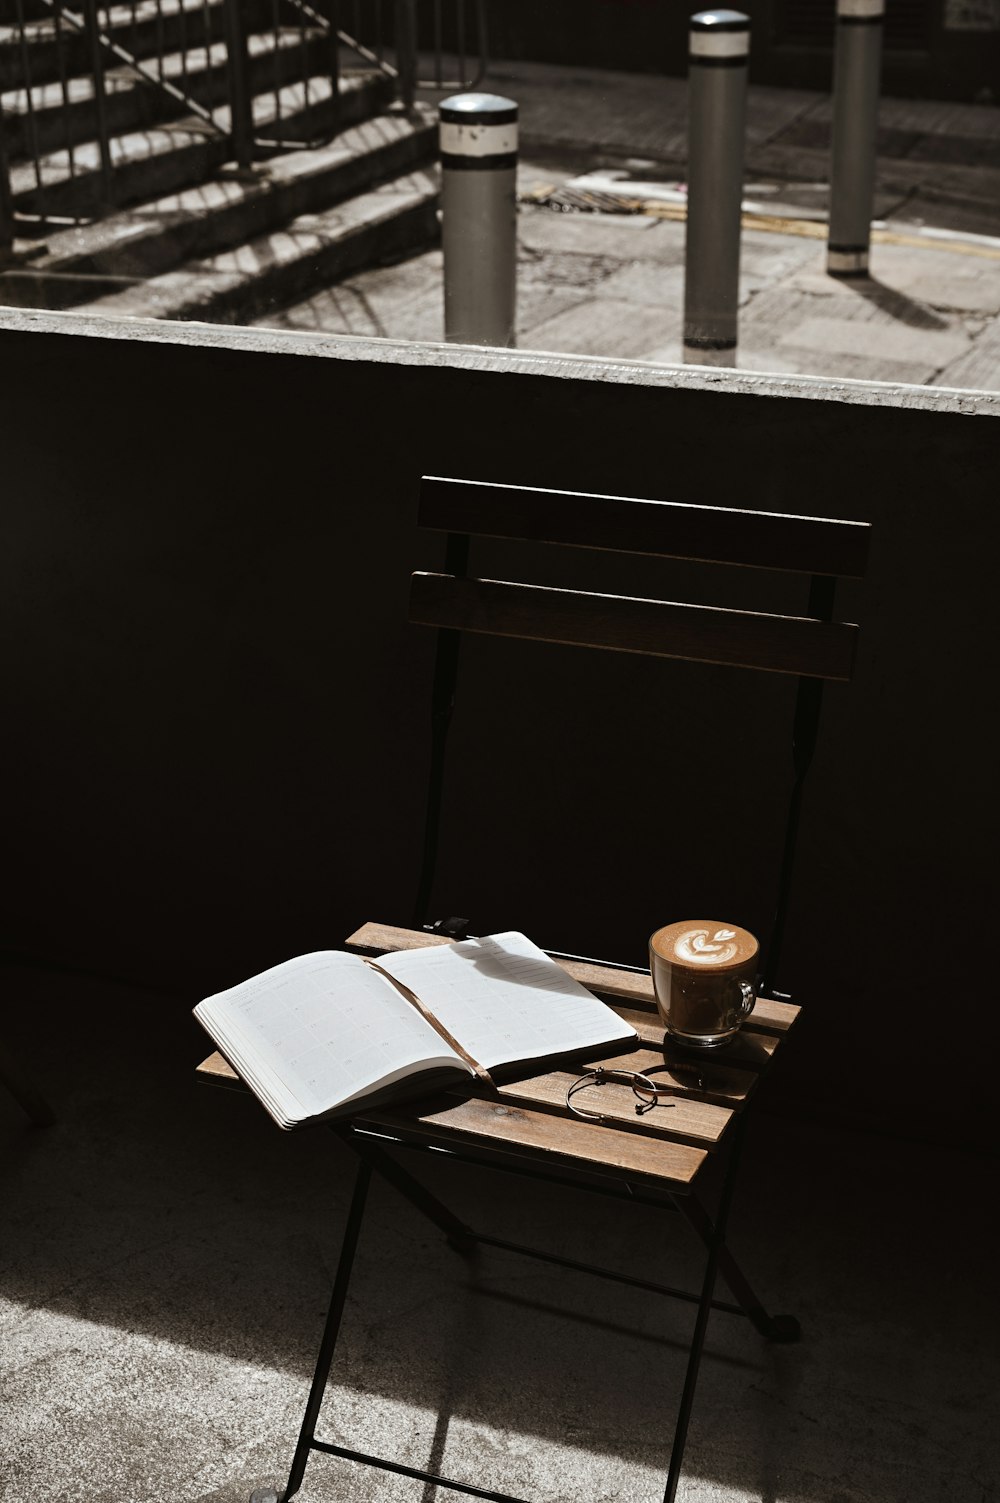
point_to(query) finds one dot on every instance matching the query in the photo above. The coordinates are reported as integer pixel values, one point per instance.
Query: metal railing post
(856, 68)
(717, 90)
(89, 9)
(406, 51)
(483, 41)
(478, 138)
(240, 98)
(329, 13)
(6, 197)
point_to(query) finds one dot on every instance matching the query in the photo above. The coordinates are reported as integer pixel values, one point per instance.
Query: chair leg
(372, 1158)
(457, 1233)
(331, 1330)
(772, 1327)
(24, 1091)
(716, 1244)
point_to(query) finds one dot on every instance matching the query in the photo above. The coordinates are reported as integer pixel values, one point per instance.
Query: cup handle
(748, 1000)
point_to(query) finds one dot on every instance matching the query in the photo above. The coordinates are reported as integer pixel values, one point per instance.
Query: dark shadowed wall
(216, 724)
(932, 49)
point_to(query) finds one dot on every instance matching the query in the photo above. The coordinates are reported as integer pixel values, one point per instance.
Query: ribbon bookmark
(477, 1069)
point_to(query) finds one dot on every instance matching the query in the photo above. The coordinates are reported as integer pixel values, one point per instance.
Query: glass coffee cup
(703, 978)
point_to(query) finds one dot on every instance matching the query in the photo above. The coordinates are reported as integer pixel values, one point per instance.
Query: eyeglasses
(648, 1094)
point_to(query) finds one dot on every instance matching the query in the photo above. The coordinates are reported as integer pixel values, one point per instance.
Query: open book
(328, 1035)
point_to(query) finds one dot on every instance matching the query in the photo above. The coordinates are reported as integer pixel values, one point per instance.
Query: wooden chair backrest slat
(657, 628)
(813, 647)
(664, 529)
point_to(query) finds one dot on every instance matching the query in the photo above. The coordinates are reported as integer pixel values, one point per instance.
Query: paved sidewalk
(611, 283)
(938, 162)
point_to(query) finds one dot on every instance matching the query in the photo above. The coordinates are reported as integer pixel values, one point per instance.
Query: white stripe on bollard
(720, 44)
(845, 263)
(478, 140)
(860, 10)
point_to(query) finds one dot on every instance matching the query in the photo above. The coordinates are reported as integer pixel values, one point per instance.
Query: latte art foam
(700, 947)
(704, 945)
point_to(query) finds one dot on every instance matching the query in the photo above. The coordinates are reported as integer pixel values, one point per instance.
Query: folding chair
(524, 1126)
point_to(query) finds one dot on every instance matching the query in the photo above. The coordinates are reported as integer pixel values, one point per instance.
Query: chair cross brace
(372, 1158)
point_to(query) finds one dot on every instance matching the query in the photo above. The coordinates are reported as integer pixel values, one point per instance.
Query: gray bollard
(717, 93)
(478, 140)
(856, 68)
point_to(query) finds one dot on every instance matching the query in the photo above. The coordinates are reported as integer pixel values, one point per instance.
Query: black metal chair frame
(24, 1090)
(371, 1146)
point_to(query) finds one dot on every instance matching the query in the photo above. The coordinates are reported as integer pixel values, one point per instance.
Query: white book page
(316, 1031)
(504, 1000)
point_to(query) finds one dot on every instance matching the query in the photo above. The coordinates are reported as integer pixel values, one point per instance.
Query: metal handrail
(406, 45)
(200, 56)
(6, 201)
(89, 25)
(482, 40)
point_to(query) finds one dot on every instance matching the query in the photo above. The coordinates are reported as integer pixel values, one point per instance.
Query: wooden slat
(719, 1085)
(530, 1114)
(663, 529)
(588, 1146)
(633, 987)
(380, 938)
(681, 1116)
(217, 1069)
(746, 1050)
(769, 1016)
(703, 1080)
(636, 988)
(620, 623)
(698, 1117)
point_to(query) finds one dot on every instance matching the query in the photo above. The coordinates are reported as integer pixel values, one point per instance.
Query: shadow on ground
(905, 310)
(169, 1256)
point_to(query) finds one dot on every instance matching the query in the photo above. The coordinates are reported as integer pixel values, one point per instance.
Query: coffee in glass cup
(703, 977)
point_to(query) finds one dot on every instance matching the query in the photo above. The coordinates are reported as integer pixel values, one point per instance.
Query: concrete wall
(216, 732)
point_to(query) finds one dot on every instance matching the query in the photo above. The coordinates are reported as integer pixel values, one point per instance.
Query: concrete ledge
(508, 362)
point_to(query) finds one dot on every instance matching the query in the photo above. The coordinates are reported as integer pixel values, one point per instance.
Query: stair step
(59, 117)
(142, 161)
(144, 30)
(88, 261)
(313, 250)
(31, 10)
(180, 153)
(55, 46)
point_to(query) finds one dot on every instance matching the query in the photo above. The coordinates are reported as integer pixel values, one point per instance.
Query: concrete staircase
(191, 236)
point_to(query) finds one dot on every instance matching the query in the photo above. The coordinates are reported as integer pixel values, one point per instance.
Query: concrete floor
(612, 285)
(168, 1254)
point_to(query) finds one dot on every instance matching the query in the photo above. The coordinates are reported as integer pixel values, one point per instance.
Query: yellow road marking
(774, 224)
